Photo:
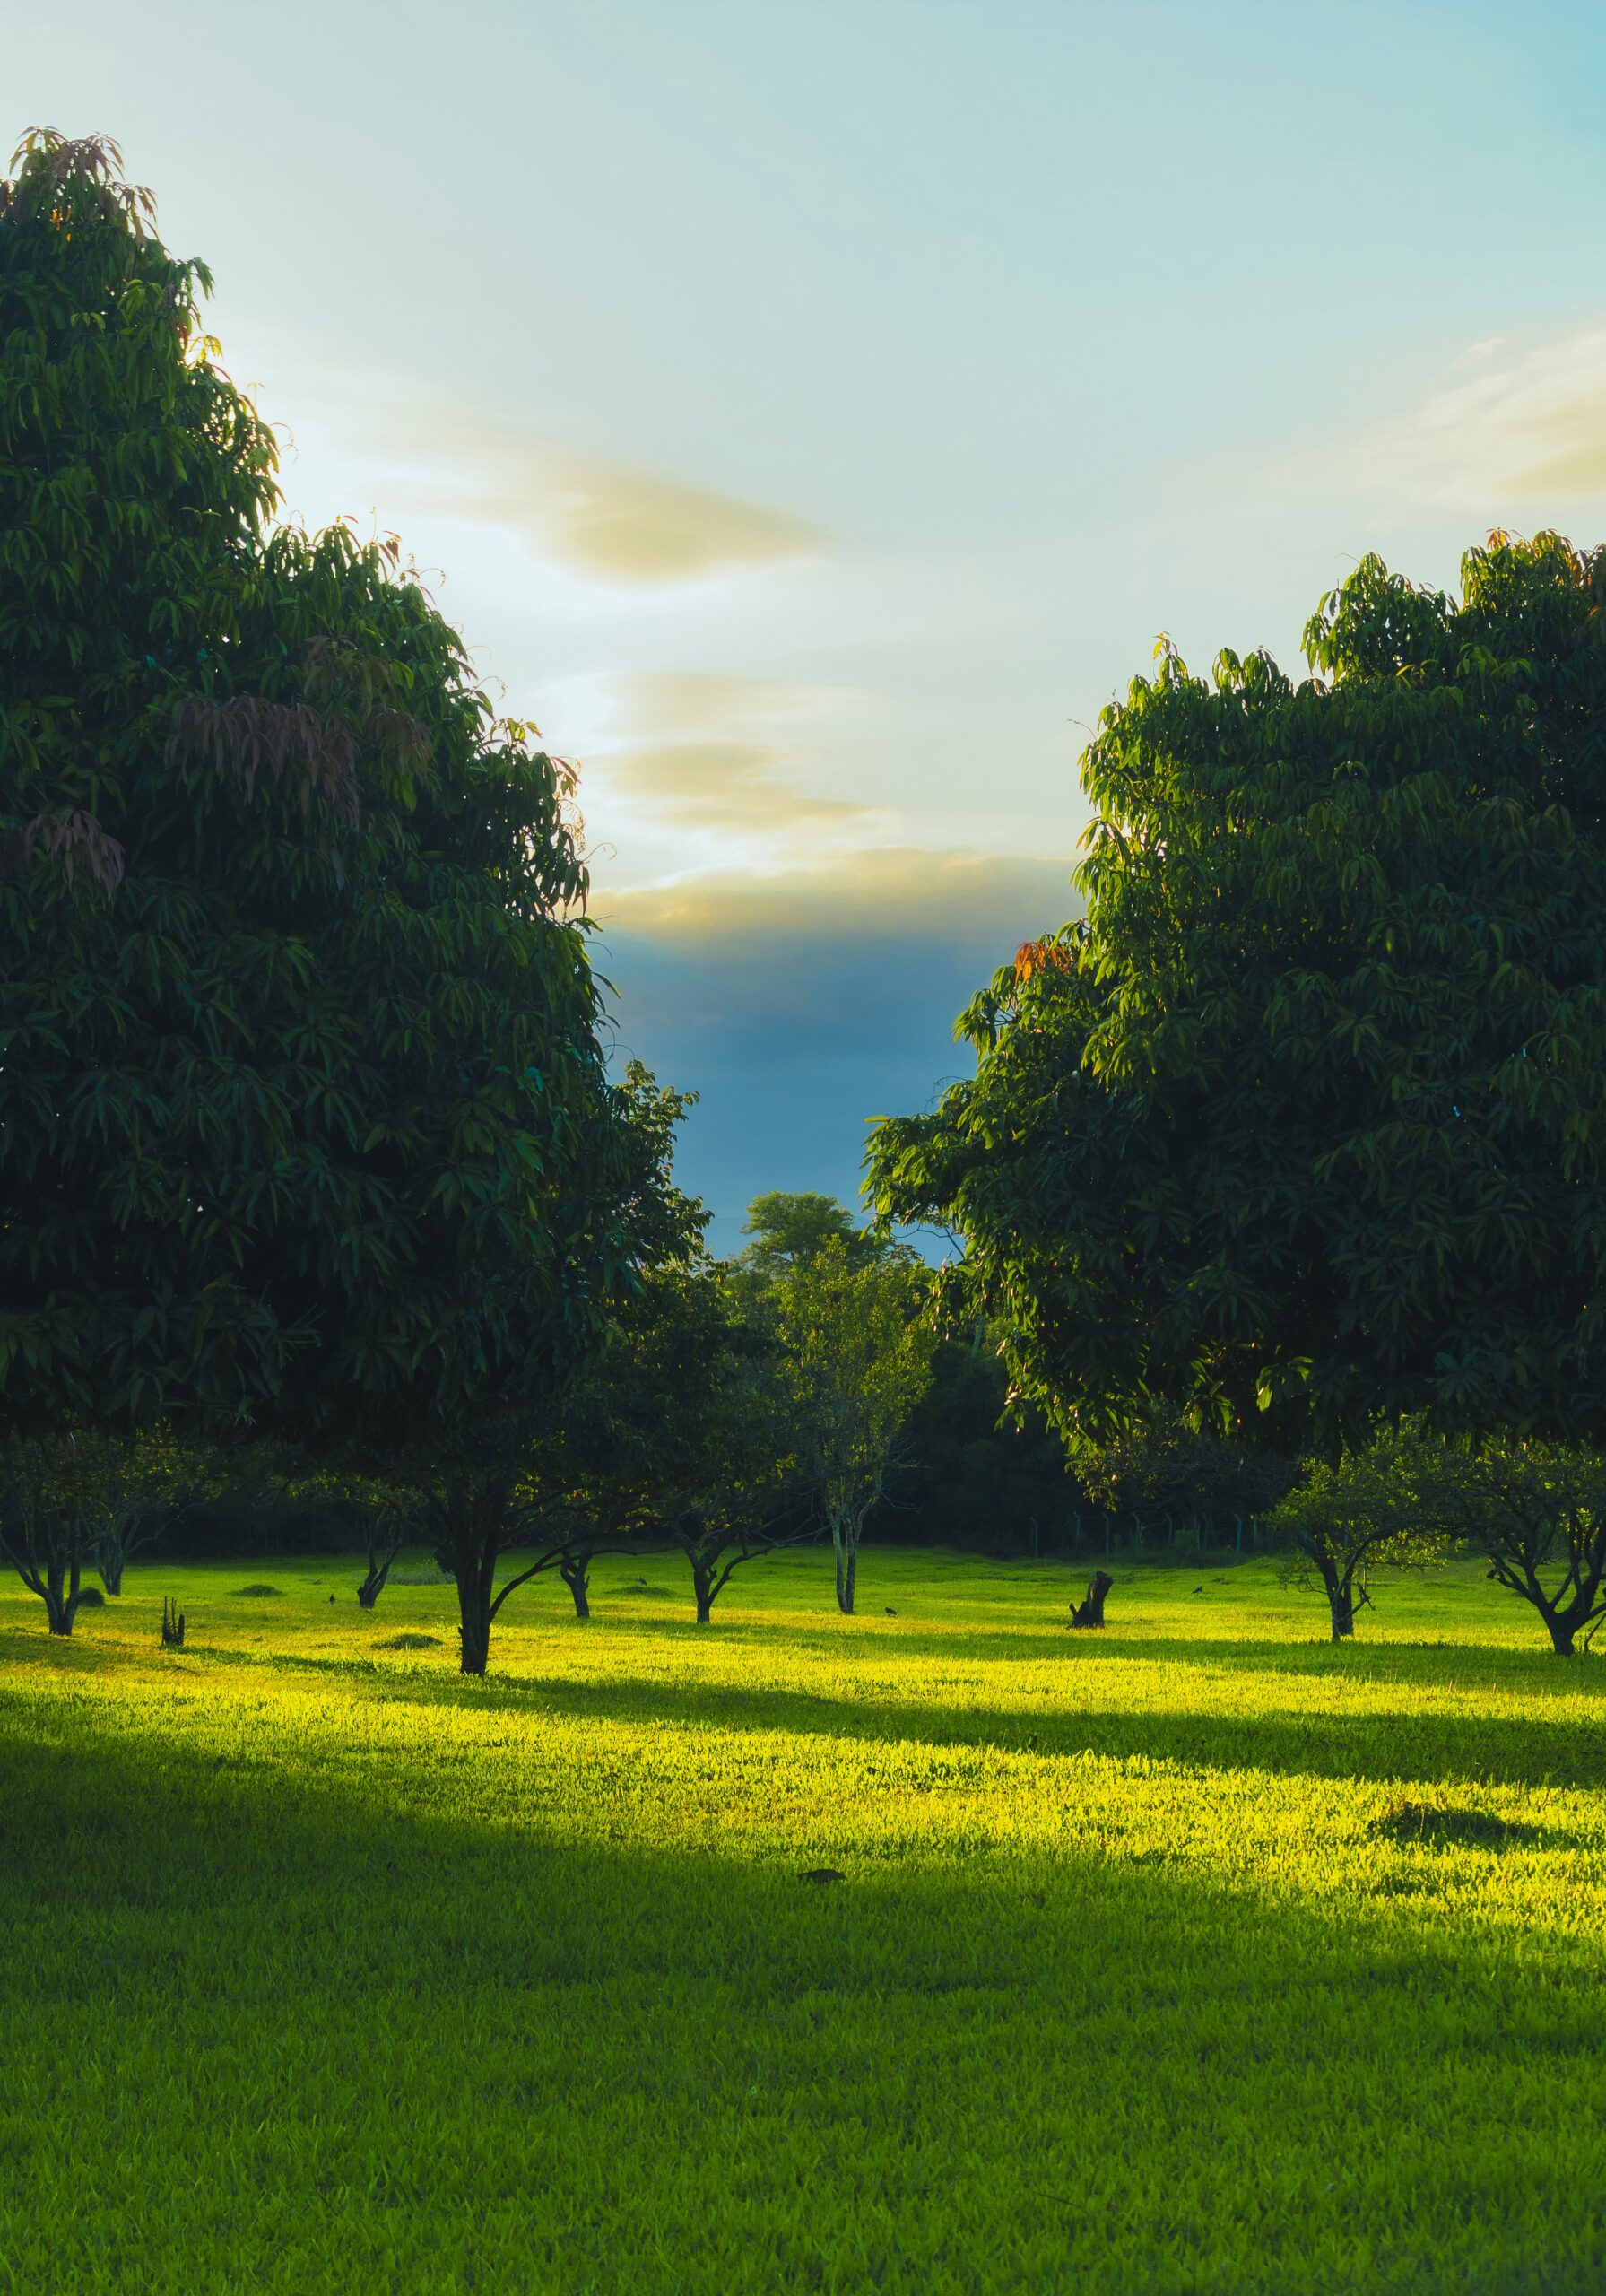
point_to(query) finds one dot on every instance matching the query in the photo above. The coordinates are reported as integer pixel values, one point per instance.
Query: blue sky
(811, 413)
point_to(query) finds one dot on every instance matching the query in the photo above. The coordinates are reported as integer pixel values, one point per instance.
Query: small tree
(391, 1516)
(629, 1426)
(689, 1430)
(858, 1350)
(717, 1545)
(46, 1534)
(1538, 1510)
(480, 1476)
(1369, 1507)
(739, 1498)
(125, 1487)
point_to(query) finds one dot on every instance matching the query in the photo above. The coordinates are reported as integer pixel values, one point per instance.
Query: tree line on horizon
(1279, 1177)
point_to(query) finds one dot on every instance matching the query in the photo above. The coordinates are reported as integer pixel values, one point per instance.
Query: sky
(812, 412)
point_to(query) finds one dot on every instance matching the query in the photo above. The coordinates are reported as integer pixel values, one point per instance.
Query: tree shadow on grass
(323, 2031)
(1393, 1744)
(1038, 1640)
(1401, 1743)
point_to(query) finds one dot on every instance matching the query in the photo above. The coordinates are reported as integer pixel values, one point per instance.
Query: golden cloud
(667, 705)
(905, 892)
(712, 751)
(600, 518)
(728, 785)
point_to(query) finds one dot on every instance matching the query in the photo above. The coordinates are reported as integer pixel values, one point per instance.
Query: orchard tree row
(1280, 1181)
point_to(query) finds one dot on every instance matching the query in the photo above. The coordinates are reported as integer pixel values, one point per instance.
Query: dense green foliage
(975, 1476)
(1197, 1956)
(1306, 1122)
(306, 1119)
(1161, 1468)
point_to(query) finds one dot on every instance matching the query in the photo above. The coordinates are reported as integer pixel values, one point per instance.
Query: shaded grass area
(344, 1973)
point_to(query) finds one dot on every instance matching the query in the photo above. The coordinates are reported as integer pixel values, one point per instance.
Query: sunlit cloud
(1518, 427)
(738, 786)
(724, 759)
(902, 893)
(663, 705)
(603, 520)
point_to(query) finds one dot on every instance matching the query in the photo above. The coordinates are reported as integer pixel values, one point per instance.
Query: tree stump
(173, 1626)
(1090, 1611)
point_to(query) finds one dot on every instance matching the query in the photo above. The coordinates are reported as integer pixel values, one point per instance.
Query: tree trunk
(847, 1558)
(110, 1564)
(1561, 1625)
(702, 1581)
(1341, 1603)
(474, 1615)
(379, 1562)
(575, 1577)
(61, 1601)
(1090, 1611)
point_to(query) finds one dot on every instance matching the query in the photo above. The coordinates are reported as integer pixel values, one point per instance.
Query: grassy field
(329, 1970)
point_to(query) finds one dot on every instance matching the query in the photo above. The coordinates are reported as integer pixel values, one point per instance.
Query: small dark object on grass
(409, 1642)
(1090, 1611)
(1437, 1826)
(331, 1598)
(890, 1611)
(172, 1625)
(824, 1874)
(256, 1590)
(1199, 1590)
(90, 1598)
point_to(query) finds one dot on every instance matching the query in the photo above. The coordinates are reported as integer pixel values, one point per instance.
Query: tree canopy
(306, 1118)
(789, 1229)
(1303, 1124)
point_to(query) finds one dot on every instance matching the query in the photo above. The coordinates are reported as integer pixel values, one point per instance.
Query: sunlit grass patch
(1193, 1955)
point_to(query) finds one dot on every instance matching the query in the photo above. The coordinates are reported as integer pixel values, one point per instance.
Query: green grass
(1193, 1956)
